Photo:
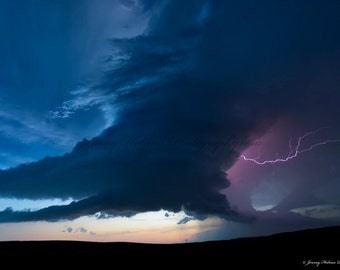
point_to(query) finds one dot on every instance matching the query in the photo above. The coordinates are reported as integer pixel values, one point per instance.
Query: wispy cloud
(162, 63)
(77, 230)
(26, 128)
(82, 99)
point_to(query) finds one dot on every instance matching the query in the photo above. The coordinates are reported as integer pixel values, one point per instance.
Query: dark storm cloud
(183, 85)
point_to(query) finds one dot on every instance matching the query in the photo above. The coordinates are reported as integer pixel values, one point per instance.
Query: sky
(168, 121)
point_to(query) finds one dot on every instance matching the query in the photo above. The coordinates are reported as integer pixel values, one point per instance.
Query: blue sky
(117, 114)
(50, 51)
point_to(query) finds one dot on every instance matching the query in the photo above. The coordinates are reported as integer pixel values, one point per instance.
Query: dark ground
(293, 250)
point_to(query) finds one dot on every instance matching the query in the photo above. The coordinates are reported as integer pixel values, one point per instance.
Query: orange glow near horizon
(150, 227)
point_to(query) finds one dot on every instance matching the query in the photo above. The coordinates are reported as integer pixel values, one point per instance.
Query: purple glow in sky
(280, 164)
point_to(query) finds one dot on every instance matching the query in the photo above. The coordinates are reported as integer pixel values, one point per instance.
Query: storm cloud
(202, 82)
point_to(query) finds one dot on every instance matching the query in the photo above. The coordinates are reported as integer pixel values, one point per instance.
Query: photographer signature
(321, 262)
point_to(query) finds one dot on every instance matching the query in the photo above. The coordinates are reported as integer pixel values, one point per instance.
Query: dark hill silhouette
(289, 250)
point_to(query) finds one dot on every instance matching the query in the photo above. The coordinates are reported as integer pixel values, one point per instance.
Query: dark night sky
(130, 106)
